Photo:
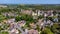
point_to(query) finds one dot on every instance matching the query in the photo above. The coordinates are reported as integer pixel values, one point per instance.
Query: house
(12, 26)
(45, 14)
(48, 22)
(55, 20)
(21, 23)
(26, 31)
(14, 31)
(32, 25)
(12, 20)
(35, 15)
(3, 6)
(5, 14)
(32, 31)
(4, 21)
(29, 12)
(50, 13)
(40, 12)
(9, 14)
(0, 24)
(57, 14)
(40, 23)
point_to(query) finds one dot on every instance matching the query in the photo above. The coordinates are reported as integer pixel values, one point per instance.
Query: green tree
(4, 33)
(2, 17)
(47, 31)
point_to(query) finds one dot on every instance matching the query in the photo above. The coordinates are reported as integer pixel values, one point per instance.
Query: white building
(40, 12)
(35, 15)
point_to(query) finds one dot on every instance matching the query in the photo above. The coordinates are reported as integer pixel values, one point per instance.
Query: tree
(55, 28)
(47, 31)
(4, 32)
(40, 17)
(24, 17)
(2, 17)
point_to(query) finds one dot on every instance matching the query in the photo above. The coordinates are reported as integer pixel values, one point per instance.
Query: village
(30, 21)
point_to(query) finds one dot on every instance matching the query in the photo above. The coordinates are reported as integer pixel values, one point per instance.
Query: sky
(29, 1)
